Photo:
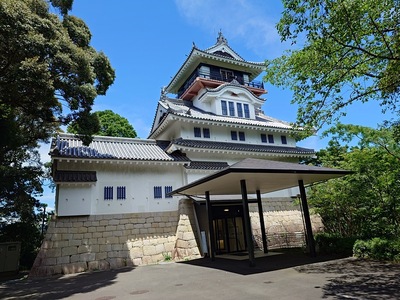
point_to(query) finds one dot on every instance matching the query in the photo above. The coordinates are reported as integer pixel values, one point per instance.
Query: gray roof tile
(242, 147)
(67, 145)
(207, 165)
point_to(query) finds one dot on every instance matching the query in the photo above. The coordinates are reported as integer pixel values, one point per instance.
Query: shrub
(378, 248)
(328, 243)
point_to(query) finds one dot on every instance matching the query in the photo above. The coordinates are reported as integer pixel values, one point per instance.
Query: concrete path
(281, 276)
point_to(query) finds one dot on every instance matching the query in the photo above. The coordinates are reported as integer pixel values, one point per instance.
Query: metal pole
(210, 226)
(247, 223)
(307, 219)
(262, 224)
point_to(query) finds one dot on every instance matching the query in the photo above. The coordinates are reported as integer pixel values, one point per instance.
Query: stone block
(50, 261)
(149, 250)
(160, 248)
(101, 255)
(137, 261)
(75, 242)
(116, 247)
(117, 233)
(116, 263)
(69, 251)
(77, 224)
(143, 231)
(83, 249)
(87, 257)
(136, 252)
(54, 252)
(113, 222)
(111, 228)
(74, 258)
(169, 247)
(74, 268)
(182, 244)
(137, 243)
(63, 260)
(82, 230)
(187, 236)
(93, 265)
(97, 235)
(105, 248)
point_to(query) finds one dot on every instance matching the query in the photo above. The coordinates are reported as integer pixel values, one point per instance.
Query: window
(108, 193)
(206, 133)
(168, 189)
(263, 138)
(226, 75)
(270, 138)
(246, 111)
(197, 132)
(241, 136)
(231, 108)
(283, 139)
(121, 192)
(239, 110)
(224, 108)
(234, 135)
(157, 192)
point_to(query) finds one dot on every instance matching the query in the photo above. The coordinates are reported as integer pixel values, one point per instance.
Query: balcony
(215, 79)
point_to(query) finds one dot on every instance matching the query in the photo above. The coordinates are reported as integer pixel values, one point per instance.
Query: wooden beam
(307, 220)
(262, 223)
(247, 223)
(210, 226)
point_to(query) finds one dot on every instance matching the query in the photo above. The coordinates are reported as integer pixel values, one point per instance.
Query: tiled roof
(179, 108)
(67, 145)
(75, 176)
(242, 147)
(207, 165)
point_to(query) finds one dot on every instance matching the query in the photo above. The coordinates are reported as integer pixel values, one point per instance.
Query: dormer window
(239, 110)
(246, 111)
(224, 108)
(231, 109)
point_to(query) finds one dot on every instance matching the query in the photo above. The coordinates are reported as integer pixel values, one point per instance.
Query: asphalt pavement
(279, 275)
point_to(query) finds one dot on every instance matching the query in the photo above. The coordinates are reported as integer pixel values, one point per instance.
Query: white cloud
(251, 22)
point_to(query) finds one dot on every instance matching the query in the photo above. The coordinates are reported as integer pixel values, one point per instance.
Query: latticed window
(239, 110)
(246, 111)
(108, 193)
(206, 133)
(224, 108)
(168, 189)
(157, 192)
(270, 138)
(197, 132)
(241, 136)
(263, 138)
(121, 192)
(234, 135)
(283, 139)
(231, 108)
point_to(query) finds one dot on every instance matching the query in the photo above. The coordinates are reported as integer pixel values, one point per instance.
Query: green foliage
(344, 51)
(328, 243)
(109, 124)
(378, 248)
(365, 203)
(49, 76)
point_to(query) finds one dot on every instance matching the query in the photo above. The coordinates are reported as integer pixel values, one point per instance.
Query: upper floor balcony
(213, 79)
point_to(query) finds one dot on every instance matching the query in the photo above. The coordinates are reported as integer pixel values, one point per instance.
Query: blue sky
(147, 42)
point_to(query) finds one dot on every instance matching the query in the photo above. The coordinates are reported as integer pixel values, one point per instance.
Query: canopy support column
(247, 223)
(210, 226)
(307, 220)
(262, 223)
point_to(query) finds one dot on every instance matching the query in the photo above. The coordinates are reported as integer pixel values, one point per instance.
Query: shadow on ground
(280, 259)
(358, 279)
(59, 287)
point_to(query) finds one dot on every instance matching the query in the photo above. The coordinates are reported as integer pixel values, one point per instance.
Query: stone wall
(78, 244)
(283, 223)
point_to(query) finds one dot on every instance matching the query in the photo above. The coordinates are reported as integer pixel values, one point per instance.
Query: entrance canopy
(260, 175)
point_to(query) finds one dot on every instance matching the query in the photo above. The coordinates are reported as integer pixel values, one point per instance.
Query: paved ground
(280, 276)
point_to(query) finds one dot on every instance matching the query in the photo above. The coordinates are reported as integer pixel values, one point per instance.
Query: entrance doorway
(229, 229)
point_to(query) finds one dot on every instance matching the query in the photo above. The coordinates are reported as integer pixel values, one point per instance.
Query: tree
(110, 124)
(49, 76)
(365, 203)
(345, 51)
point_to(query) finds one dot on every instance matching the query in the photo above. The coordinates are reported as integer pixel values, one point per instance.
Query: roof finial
(221, 39)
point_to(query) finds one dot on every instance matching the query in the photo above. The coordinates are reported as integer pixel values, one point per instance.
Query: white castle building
(113, 206)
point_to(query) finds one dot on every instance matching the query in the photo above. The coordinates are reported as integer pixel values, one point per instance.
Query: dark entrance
(229, 229)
